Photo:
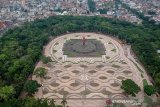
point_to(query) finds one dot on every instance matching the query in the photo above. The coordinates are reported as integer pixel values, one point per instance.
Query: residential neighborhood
(16, 12)
(150, 8)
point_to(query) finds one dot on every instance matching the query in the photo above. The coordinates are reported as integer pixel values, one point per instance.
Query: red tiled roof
(2, 25)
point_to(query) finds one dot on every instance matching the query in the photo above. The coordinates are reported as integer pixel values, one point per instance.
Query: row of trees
(31, 86)
(32, 102)
(21, 47)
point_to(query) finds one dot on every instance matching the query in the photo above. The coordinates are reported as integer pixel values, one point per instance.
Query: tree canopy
(130, 87)
(21, 47)
(149, 90)
(45, 59)
(31, 86)
(92, 5)
(40, 72)
(6, 92)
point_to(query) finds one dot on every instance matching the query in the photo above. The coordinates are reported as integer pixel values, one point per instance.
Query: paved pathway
(94, 77)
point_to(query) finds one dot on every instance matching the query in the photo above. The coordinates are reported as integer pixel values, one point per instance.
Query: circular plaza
(87, 68)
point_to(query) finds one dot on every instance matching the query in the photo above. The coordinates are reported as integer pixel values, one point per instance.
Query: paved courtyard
(88, 81)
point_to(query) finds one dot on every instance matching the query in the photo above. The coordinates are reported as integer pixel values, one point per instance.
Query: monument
(83, 48)
(84, 41)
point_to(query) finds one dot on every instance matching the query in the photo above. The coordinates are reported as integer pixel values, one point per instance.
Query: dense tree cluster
(31, 86)
(149, 90)
(45, 59)
(103, 11)
(21, 47)
(130, 87)
(92, 5)
(40, 72)
(6, 92)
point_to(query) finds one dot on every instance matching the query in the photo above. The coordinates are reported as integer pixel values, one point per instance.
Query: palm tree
(52, 103)
(64, 102)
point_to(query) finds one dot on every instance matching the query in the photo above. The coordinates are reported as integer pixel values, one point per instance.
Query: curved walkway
(92, 77)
